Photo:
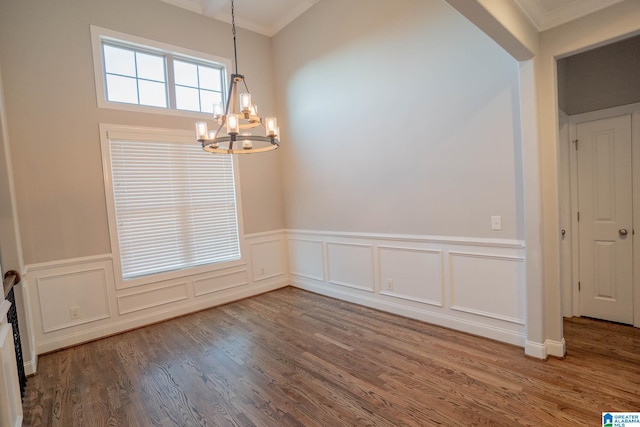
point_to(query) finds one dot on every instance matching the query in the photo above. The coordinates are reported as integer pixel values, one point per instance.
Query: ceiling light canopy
(236, 124)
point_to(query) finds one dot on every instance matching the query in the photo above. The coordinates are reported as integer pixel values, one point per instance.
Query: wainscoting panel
(351, 265)
(143, 300)
(77, 300)
(73, 296)
(306, 258)
(487, 285)
(469, 284)
(219, 282)
(411, 274)
(266, 258)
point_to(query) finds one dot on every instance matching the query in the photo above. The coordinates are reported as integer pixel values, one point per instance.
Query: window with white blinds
(175, 205)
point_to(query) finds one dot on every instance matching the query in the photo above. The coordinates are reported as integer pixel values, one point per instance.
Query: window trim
(113, 131)
(99, 34)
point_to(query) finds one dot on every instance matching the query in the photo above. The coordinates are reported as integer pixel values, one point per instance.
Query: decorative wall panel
(469, 284)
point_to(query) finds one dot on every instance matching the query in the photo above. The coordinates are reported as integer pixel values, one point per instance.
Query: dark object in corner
(12, 278)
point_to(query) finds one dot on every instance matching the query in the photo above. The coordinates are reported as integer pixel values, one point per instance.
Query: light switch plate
(496, 223)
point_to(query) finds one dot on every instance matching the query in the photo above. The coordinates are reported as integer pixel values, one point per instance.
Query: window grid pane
(152, 93)
(150, 67)
(210, 78)
(186, 73)
(122, 89)
(187, 98)
(146, 69)
(197, 87)
(175, 206)
(119, 61)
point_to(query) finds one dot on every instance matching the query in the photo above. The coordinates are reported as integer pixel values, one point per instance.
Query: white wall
(10, 242)
(403, 118)
(10, 250)
(402, 124)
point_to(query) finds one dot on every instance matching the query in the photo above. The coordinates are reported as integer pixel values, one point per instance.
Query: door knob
(623, 231)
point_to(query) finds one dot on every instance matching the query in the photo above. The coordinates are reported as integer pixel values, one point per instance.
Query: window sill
(136, 108)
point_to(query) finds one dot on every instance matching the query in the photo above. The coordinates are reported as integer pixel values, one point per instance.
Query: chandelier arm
(222, 123)
(230, 94)
(233, 93)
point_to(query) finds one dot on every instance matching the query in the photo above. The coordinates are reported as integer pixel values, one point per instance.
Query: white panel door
(605, 219)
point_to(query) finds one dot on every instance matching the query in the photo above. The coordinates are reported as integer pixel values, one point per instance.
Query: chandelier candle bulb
(217, 110)
(233, 125)
(271, 126)
(245, 102)
(246, 143)
(201, 130)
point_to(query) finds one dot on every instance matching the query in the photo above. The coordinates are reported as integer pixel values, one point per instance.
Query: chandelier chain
(233, 30)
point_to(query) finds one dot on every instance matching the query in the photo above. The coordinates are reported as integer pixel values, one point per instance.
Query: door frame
(570, 256)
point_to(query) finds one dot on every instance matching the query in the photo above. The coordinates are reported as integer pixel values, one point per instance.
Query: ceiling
(270, 16)
(262, 16)
(545, 14)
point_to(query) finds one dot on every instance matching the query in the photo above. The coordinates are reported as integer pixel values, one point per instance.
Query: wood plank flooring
(293, 358)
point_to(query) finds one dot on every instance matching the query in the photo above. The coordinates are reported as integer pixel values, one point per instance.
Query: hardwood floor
(293, 358)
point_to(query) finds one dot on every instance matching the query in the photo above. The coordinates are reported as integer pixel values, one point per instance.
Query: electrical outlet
(74, 312)
(389, 284)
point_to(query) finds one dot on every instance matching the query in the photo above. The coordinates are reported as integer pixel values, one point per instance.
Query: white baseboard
(31, 366)
(424, 315)
(534, 349)
(549, 348)
(555, 348)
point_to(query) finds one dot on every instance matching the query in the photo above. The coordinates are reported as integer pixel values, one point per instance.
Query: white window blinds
(175, 206)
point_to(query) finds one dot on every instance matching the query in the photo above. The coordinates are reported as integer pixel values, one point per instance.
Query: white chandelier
(238, 119)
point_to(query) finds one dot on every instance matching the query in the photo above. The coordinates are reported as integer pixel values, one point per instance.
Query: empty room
(319, 212)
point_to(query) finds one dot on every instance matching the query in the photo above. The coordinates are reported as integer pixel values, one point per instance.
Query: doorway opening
(599, 143)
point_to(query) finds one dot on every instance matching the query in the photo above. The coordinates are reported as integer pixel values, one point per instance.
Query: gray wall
(399, 117)
(600, 78)
(10, 251)
(53, 119)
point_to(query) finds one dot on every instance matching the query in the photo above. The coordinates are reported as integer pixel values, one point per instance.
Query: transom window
(136, 73)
